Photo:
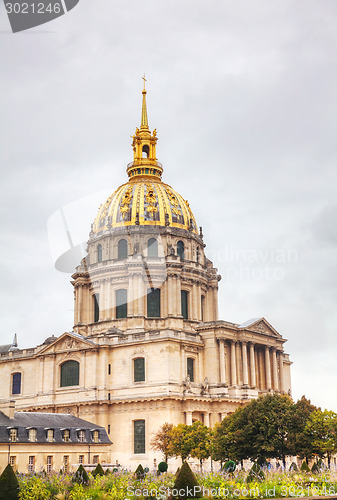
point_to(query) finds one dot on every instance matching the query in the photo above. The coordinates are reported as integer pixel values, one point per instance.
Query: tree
(161, 440)
(9, 485)
(98, 471)
(299, 440)
(198, 436)
(179, 445)
(321, 429)
(229, 438)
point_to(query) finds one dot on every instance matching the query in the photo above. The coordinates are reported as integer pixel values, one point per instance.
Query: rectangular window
(190, 368)
(153, 303)
(95, 459)
(139, 370)
(109, 369)
(81, 459)
(66, 436)
(96, 307)
(50, 435)
(49, 464)
(81, 436)
(31, 464)
(139, 436)
(16, 383)
(12, 461)
(32, 435)
(184, 304)
(108, 428)
(121, 303)
(13, 435)
(95, 436)
(65, 463)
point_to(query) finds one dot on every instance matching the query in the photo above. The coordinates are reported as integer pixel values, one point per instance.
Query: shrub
(139, 472)
(98, 471)
(305, 467)
(255, 474)
(9, 485)
(81, 476)
(293, 467)
(186, 482)
(315, 468)
(162, 467)
(230, 466)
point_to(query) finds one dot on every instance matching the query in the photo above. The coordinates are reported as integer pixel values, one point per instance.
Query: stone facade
(147, 345)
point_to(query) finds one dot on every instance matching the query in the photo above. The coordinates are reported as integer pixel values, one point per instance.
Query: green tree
(161, 440)
(98, 471)
(186, 482)
(199, 437)
(321, 429)
(180, 445)
(299, 440)
(9, 486)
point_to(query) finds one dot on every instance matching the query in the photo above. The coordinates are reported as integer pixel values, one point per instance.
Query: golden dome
(145, 199)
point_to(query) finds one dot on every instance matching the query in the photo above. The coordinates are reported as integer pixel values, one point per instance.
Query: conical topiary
(81, 476)
(293, 467)
(185, 483)
(9, 485)
(139, 472)
(305, 467)
(98, 471)
(315, 468)
(255, 474)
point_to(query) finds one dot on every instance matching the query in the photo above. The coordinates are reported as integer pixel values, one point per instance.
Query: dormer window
(13, 435)
(81, 436)
(32, 435)
(66, 435)
(95, 436)
(50, 435)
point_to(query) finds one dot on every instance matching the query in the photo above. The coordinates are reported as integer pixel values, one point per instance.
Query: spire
(144, 122)
(15, 341)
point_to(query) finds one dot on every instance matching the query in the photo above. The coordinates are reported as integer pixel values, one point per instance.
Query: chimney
(8, 408)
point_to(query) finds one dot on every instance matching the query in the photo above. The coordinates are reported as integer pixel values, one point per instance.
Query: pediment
(67, 342)
(260, 325)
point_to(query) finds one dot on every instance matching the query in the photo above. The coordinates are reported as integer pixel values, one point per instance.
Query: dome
(145, 202)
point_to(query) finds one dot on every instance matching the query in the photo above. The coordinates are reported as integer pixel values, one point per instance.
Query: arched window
(152, 247)
(139, 370)
(70, 373)
(121, 303)
(99, 253)
(145, 151)
(96, 307)
(190, 368)
(139, 436)
(122, 249)
(198, 254)
(16, 383)
(184, 304)
(180, 249)
(153, 303)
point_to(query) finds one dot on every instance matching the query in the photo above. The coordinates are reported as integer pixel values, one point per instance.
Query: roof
(43, 421)
(249, 322)
(5, 348)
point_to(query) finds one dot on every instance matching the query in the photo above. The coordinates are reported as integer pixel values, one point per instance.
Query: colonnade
(250, 365)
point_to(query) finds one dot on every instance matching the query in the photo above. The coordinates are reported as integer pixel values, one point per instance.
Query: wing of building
(147, 346)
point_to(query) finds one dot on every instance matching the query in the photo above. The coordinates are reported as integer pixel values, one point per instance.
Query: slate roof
(249, 322)
(23, 421)
(5, 348)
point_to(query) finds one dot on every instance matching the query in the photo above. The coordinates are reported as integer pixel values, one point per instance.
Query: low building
(33, 442)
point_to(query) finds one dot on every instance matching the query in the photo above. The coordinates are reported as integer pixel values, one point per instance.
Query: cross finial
(145, 80)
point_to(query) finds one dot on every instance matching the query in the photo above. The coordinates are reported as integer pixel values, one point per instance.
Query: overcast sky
(243, 96)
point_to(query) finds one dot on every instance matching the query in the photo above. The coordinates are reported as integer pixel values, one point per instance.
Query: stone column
(233, 364)
(281, 371)
(222, 361)
(244, 363)
(189, 419)
(178, 296)
(141, 293)
(268, 374)
(252, 366)
(275, 371)
(79, 304)
(130, 296)
(206, 419)
(238, 364)
(170, 293)
(109, 305)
